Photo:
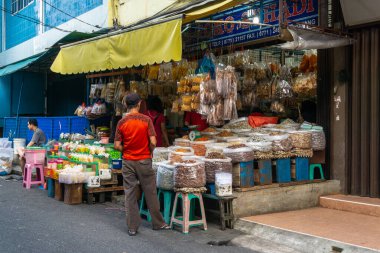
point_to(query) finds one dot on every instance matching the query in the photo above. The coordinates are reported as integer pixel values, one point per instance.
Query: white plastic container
(18, 143)
(223, 184)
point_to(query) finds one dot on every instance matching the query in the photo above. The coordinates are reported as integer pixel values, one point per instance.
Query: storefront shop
(227, 65)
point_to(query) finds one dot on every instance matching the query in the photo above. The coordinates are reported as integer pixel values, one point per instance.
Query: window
(18, 5)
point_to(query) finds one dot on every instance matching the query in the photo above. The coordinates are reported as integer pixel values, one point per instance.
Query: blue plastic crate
(263, 172)
(52, 126)
(23, 130)
(302, 169)
(211, 188)
(243, 174)
(46, 125)
(10, 125)
(282, 170)
(78, 124)
(60, 125)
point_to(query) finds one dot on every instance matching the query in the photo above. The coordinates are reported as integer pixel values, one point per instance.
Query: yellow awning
(154, 44)
(210, 10)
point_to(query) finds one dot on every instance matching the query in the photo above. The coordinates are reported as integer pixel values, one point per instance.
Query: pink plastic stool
(34, 159)
(28, 182)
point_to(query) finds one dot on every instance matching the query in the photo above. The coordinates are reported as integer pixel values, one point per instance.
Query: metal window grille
(18, 5)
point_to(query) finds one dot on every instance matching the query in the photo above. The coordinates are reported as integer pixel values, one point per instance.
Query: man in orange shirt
(136, 138)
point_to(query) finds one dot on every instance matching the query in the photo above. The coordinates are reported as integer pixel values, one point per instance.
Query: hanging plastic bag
(6, 159)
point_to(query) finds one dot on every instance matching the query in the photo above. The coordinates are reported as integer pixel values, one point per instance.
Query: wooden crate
(73, 194)
(58, 190)
(112, 187)
(242, 174)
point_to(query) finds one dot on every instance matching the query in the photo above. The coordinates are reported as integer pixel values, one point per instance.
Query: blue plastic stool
(312, 170)
(50, 187)
(168, 198)
(144, 209)
(184, 221)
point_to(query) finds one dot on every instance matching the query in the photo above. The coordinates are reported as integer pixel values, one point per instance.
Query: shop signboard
(222, 35)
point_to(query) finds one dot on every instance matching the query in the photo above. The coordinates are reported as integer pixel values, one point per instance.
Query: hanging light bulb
(256, 20)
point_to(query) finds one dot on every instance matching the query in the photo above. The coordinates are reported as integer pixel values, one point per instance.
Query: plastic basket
(35, 156)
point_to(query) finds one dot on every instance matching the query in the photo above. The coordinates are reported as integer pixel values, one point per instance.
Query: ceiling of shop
(360, 12)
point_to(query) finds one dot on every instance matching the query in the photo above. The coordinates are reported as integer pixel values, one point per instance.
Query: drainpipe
(41, 17)
(3, 40)
(45, 93)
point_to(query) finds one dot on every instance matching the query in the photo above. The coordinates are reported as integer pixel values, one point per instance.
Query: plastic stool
(184, 220)
(312, 170)
(144, 209)
(27, 180)
(168, 197)
(50, 187)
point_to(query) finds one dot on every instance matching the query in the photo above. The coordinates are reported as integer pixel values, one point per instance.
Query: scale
(194, 133)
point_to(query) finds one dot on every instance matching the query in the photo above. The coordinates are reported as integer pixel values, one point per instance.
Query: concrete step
(354, 204)
(316, 230)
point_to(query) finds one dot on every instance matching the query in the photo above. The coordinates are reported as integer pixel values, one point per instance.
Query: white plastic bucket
(18, 143)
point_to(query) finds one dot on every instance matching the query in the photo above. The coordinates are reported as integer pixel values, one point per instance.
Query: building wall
(5, 95)
(19, 29)
(1, 31)
(75, 8)
(31, 87)
(64, 96)
(25, 39)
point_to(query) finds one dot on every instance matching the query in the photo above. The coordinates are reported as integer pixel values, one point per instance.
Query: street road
(31, 222)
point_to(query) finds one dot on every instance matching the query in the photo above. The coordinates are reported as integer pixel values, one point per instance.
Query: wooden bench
(225, 212)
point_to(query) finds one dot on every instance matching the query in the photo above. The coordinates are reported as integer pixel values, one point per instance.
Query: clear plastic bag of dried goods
(318, 140)
(165, 173)
(212, 166)
(301, 139)
(260, 70)
(249, 80)
(6, 159)
(261, 146)
(230, 83)
(230, 110)
(161, 152)
(219, 79)
(177, 154)
(281, 142)
(199, 145)
(283, 89)
(239, 153)
(189, 174)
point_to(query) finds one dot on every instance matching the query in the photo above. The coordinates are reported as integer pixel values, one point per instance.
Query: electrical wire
(38, 22)
(33, 20)
(84, 22)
